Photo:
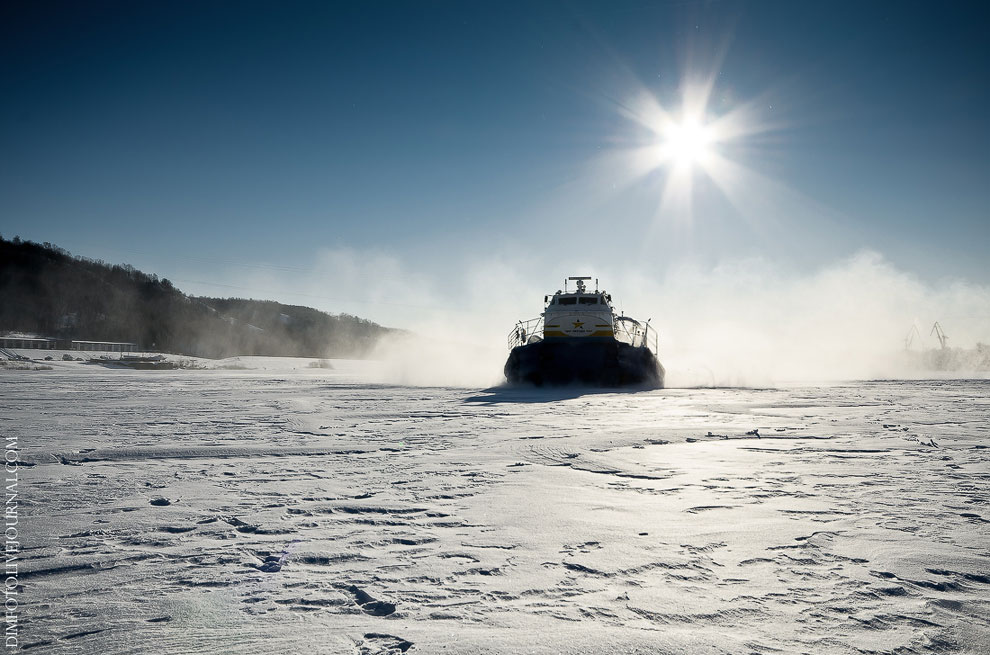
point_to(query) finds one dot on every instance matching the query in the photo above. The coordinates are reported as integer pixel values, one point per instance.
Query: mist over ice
(745, 322)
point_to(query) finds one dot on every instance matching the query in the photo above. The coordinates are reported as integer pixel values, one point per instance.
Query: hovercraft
(579, 339)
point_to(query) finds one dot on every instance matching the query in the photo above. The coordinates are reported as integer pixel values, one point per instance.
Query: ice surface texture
(310, 511)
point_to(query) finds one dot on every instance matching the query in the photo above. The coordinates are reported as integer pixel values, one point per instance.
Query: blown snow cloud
(743, 322)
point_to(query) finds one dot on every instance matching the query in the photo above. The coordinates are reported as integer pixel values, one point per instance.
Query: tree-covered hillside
(45, 290)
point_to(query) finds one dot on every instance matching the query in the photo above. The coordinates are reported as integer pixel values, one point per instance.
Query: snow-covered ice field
(304, 510)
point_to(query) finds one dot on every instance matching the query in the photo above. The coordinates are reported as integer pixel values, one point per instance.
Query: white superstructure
(581, 314)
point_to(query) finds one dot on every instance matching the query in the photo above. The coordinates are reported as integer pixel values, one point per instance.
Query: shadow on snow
(524, 393)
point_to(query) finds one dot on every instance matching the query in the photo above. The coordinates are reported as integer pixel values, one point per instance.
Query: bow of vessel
(580, 338)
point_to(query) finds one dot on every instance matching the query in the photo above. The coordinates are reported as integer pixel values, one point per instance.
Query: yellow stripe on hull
(560, 333)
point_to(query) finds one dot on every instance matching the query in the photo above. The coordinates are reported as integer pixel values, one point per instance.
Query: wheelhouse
(571, 299)
(580, 297)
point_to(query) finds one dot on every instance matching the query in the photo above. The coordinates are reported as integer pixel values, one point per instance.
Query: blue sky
(210, 141)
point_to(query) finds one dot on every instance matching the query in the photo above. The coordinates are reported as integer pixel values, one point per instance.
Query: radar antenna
(580, 282)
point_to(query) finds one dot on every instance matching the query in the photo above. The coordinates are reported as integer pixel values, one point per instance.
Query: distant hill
(47, 291)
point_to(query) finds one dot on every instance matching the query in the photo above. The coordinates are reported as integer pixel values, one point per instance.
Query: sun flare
(688, 142)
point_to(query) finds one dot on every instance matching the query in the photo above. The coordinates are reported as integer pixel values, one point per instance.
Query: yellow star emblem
(578, 324)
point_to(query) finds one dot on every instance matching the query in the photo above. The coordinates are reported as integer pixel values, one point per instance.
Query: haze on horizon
(411, 163)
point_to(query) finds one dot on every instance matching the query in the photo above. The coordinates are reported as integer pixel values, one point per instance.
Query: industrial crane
(940, 334)
(909, 339)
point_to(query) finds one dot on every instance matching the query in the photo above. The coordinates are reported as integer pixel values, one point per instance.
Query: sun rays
(680, 143)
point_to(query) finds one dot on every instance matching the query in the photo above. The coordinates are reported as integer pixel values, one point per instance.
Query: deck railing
(651, 339)
(626, 330)
(525, 332)
(637, 334)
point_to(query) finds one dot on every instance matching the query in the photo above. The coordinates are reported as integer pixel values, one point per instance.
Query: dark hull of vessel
(598, 362)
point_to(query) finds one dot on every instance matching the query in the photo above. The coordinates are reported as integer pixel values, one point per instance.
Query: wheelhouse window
(588, 300)
(567, 300)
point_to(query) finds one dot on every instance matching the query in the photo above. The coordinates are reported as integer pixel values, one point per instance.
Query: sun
(700, 145)
(687, 142)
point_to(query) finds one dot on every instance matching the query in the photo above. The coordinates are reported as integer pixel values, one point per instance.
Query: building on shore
(47, 343)
(34, 343)
(104, 346)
